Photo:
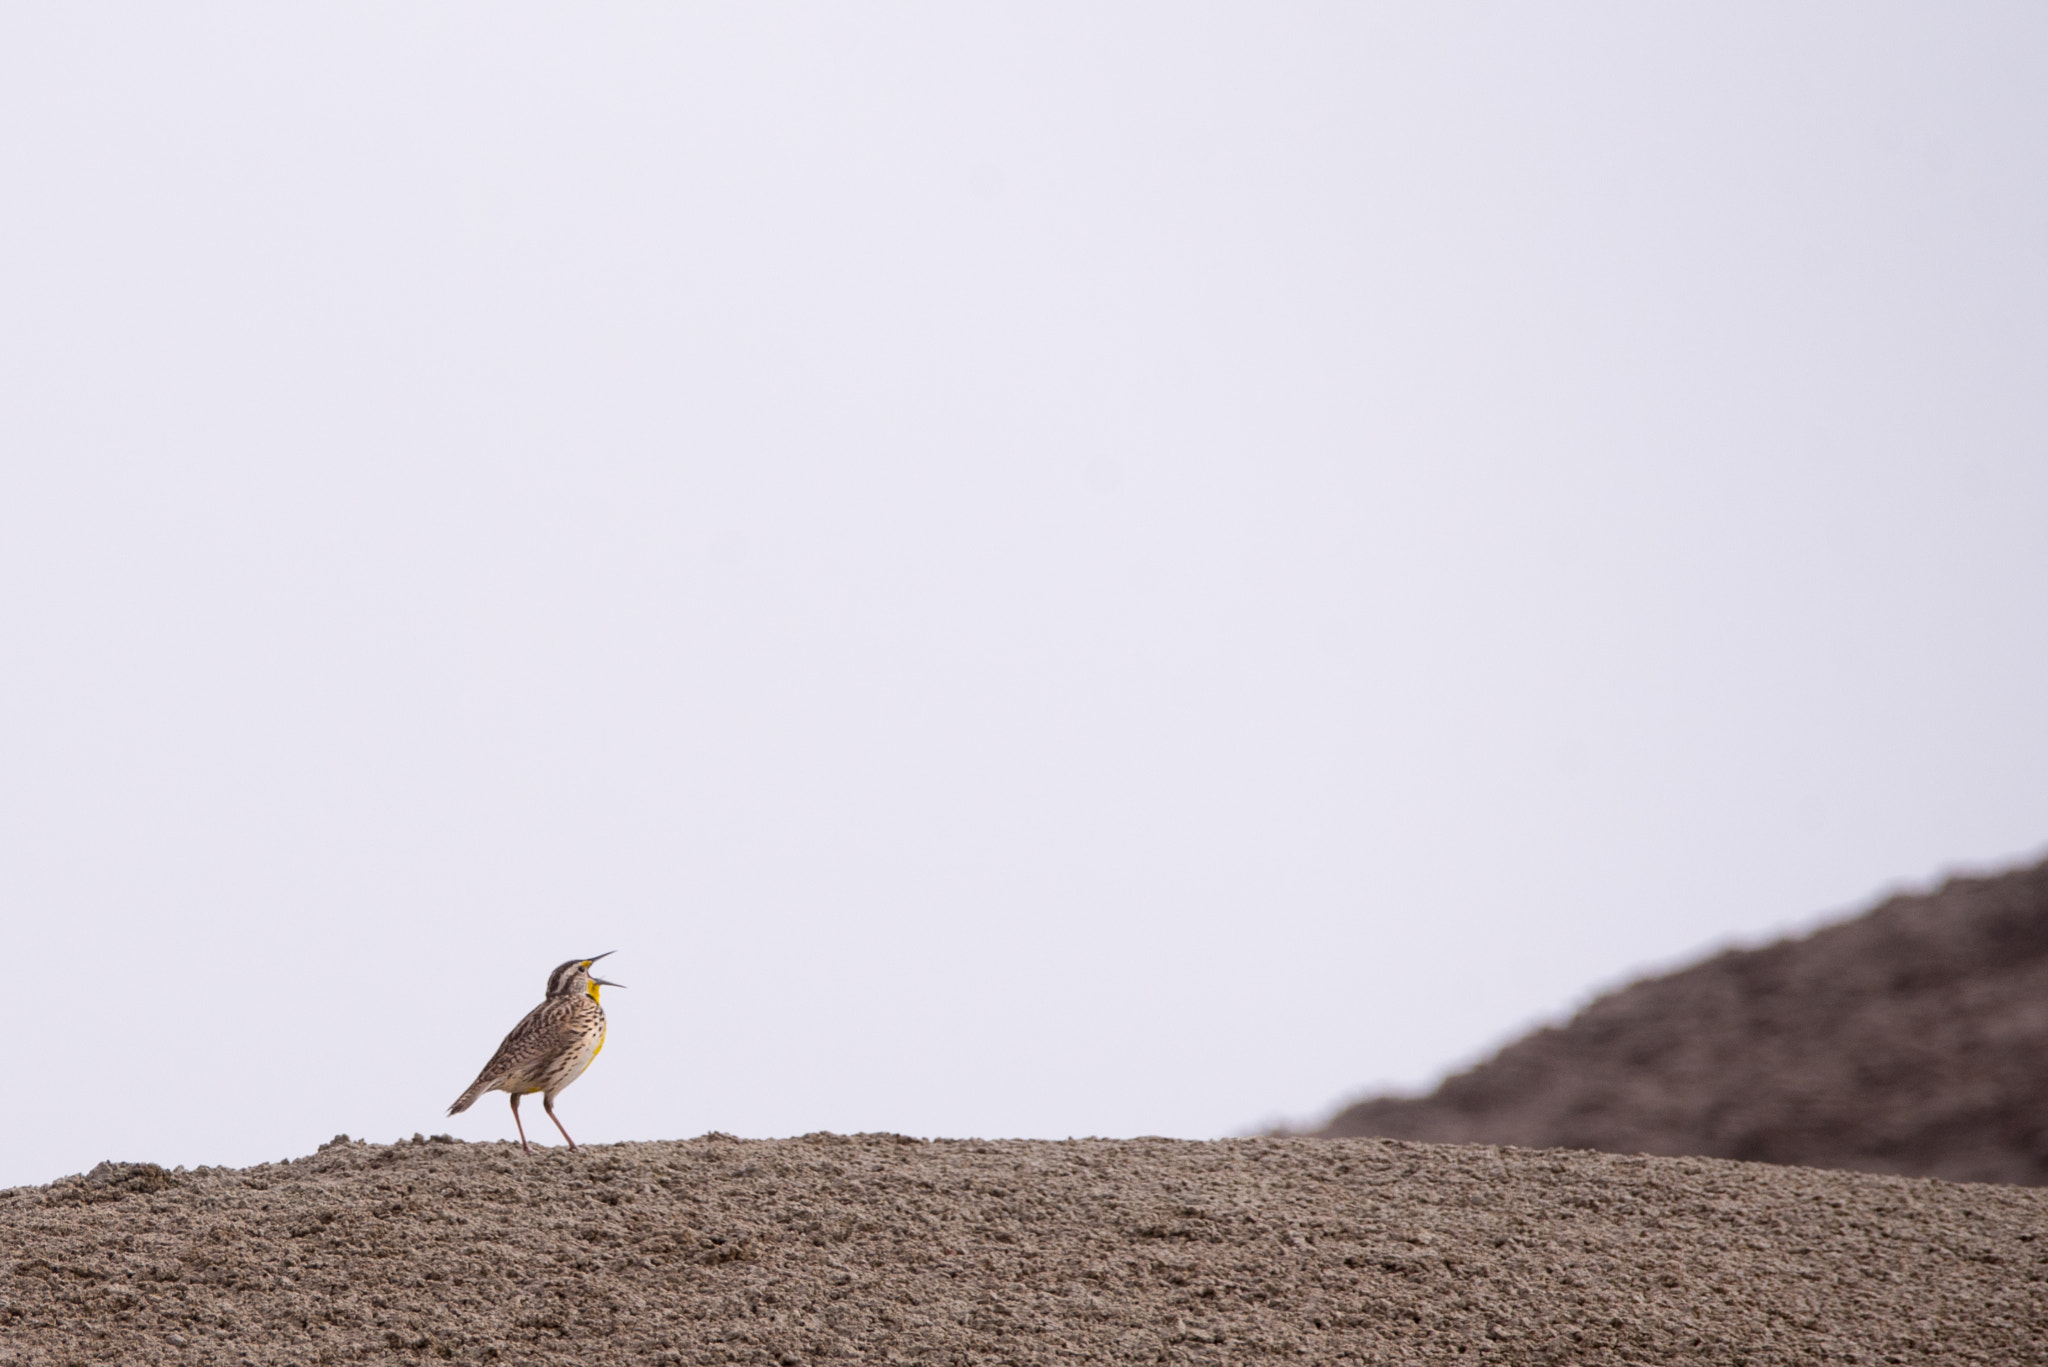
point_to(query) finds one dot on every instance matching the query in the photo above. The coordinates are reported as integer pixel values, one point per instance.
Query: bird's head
(575, 977)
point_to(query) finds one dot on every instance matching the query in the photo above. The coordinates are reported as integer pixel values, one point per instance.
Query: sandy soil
(884, 1249)
(1910, 1039)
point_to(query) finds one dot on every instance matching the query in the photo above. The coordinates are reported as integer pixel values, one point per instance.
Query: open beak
(606, 982)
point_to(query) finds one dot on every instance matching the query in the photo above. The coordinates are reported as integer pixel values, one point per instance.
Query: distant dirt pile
(880, 1249)
(1913, 1039)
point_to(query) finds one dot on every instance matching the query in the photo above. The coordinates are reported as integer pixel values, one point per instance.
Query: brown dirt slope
(1912, 1039)
(881, 1249)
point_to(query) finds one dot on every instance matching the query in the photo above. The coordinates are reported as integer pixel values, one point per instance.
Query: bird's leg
(547, 1104)
(522, 1128)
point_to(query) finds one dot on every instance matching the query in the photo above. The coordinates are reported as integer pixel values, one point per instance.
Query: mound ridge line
(880, 1248)
(1905, 1040)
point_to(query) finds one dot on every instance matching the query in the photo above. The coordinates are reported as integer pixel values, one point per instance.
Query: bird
(550, 1048)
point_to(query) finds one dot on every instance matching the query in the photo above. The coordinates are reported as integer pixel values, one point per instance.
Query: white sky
(1034, 570)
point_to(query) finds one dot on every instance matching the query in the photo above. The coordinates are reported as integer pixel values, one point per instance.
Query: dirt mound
(1912, 1039)
(879, 1248)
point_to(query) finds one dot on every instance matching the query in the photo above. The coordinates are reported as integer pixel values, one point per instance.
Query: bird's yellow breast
(600, 1029)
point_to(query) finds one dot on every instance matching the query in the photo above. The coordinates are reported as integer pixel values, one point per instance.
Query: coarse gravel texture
(1910, 1039)
(878, 1248)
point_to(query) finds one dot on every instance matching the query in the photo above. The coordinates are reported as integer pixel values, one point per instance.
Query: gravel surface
(884, 1249)
(1910, 1039)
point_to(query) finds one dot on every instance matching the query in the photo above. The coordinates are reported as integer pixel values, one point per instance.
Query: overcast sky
(1034, 570)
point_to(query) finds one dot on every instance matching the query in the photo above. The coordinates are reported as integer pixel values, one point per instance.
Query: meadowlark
(550, 1048)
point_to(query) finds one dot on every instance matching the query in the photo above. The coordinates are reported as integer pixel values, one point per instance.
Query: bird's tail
(476, 1089)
